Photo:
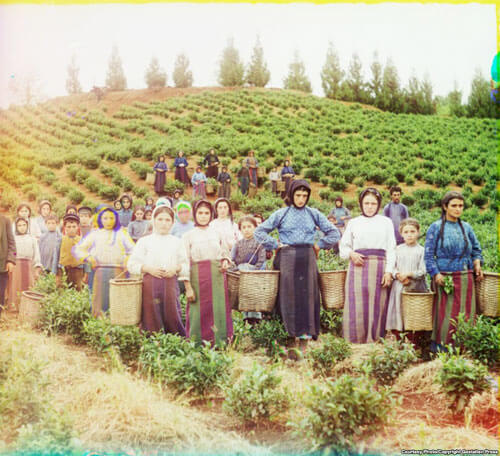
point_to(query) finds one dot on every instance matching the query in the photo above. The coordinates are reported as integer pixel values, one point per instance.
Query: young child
(126, 212)
(183, 224)
(199, 181)
(274, 177)
(85, 215)
(224, 180)
(148, 215)
(150, 204)
(63, 256)
(24, 211)
(106, 250)
(176, 197)
(49, 242)
(117, 205)
(224, 224)
(28, 265)
(409, 272)
(138, 226)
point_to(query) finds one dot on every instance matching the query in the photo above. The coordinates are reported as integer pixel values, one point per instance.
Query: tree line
(383, 89)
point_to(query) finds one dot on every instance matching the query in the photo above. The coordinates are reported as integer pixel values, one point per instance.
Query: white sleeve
(182, 260)
(138, 257)
(37, 262)
(390, 251)
(346, 244)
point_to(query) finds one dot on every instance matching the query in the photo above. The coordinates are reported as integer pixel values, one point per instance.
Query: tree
(231, 69)
(258, 75)
(115, 79)
(428, 105)
(26, 89)
(356, 87)
(376, 82)
(331, 73)
(155, 76)
(414, 101)
(455, 101)
(297, 79)
(72, 83)
(390, 96)
(182, 76)
(480, 103)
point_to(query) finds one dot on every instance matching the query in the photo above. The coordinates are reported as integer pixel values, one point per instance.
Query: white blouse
(228, 230)
(205, 244)
(375, 232)
(160, 251)
(27, 248)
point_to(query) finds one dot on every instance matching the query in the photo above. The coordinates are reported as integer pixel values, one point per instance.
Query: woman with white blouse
(369, 243)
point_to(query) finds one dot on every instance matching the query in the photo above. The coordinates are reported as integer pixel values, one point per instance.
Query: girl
(160, 168)
(208, 311)
(117, 205)
(287, 174)
(24, 211)
(126, 212)
(452, 249)
(45, 208)
(106, 250)
(150, 204)
(148, 214)
(409, 272)
(162, 259)
(138, 226)
(183, 223)
(224, 225)
(274, 177)
(369, 243)
(224, 180)
(252, 165)
(181, 165)
(176, 197)
(198, 180)
(244, 179)
(28, 265)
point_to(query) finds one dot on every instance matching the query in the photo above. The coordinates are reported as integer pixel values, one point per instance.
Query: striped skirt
(209, 316)
(253, 175)
(100, 287)
(447, 307)
(161, 308)
(298, 295)
(21, 279)
(365, 307)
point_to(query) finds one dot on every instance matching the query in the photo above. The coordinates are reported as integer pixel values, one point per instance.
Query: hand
(10, 267)
(405, 281)
(478, 272)
(170, 273)
(439, 278)
(155, 272)
(316, 250)
(357, 258)
(401, 277)
(190, 296)
(224, 265)
(85, 279)
(387, 279)
(281, 246)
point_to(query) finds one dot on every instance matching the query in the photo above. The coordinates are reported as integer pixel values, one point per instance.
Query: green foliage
(328, 260)
(257, 395)
(269, 334)
(331, 73)
(448, 284)
(115, 78)
(331, 321)
(76, 196)
(333, 350)
(257, 75)
(182, 76)
(231, 69)
(156, 77)
(140, 168)
(296, 78)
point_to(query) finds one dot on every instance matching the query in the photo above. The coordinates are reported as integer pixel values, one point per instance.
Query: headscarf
(126, 195)
(223, 200)
(71, 206)
(164, 201)
(21, 205)
(43, 203)
(163, 208)
(18, 219)
(339, 198)
(375, 193)
(197, 205)
(299, 184)
(117, 218)
(182, 205)
(138, 208)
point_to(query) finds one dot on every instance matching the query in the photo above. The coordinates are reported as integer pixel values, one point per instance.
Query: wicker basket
(258, 290)
(29, 307)
(209, 188)
(233, 284)
(487, 295)
(150, 178)
(125, 301)
(332, 287)
(417, 311)
(280, 186)
(261, 172)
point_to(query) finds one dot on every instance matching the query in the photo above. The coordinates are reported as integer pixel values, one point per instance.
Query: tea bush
(333, 350)
(269, 334)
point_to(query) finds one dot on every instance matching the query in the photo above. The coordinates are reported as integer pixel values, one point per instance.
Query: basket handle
(121, 273)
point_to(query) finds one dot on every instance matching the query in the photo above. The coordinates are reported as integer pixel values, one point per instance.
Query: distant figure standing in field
(287, 174)
(252, 165)
(212, 163)
(160, 168)
(340, 214)
(274, 177)
(224, 180)
(199, 181)
(244, 179)
(181, 164)
(396, 211)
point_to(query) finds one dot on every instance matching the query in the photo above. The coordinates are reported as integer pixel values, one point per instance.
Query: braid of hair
(466, 246)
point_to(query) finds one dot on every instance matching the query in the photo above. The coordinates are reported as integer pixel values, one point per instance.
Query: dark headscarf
(117, 218)
(299, 184)
(375, 193)
(223, 200)
(71, 206)
(444, 202)
(197, 205)
(21, 205)
(126, 195)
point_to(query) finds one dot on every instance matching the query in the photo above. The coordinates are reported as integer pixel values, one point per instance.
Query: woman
(45, 208)
(287, 174)
(212, 163)
(162, 259)
(298, 296)
(160, 168)
(199, 181)
(224, 180)
(243, 179)
(181, 164)
(252, 165)
(208, 314)
(340, 214)
(369, 243)
(452, 249)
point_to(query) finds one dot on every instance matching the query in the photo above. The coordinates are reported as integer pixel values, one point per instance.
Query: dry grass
(419, 379)
(482, 412)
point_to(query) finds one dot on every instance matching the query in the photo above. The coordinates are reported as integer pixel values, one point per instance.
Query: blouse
(396, 212)
(137, 228)
(160, 167)
(204, 244)
(451, 255)
(274, 176)
(249, 251)
(125, 216)
(49, 242)
(223, 178)
(375, 232)
(210, 160)
(180, 161)
(251, 162)
(297, 227)
(180, 228)
(410, 258)
(228, 230)
(27, 248)
(287, 170)
(161, 251)
(198, 177)
(338, 212)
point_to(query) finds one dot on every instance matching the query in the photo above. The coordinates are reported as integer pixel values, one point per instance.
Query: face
(258, 220)
(139, 215)
(162, 158)
(22, 227)
(149, 201)
(108, 220)
(24, 212)
(300, 198)
(148, 215)
(410, 234)
(126, 203)
(45, 210)
(51, 225)
(181, 154)
(184, 215)
(370, 205)
(117, 205)
(212, 152)
(396, 197)
(247, 230)
(71, 229)
(338, 203)
(71, 211)
(287, 163)
(222, 210)
(85, 219)
(163, 223)
(454, 209)
(203, 216)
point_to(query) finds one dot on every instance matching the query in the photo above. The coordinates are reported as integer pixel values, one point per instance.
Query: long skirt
(274, 187)
(224, 190)
(288, 181)
(365, 307)
(209, 316)
(100, 287)
(21, 279)
(212, 171)
(253, 175)
(244, 182)
(181, 175)
(199, 190)
(160, 178)
(447, 307)
(161, 308)
(298, 294)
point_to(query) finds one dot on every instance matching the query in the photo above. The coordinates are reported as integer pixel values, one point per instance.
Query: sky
(448, 42)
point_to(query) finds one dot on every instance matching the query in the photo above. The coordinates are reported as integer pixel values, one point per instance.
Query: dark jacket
(7, 244)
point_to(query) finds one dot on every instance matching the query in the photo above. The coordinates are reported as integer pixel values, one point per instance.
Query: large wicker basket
(30, 306)
(125, 301)
(209, 188)
(261, 172)
(233, 285)
(280, 186)
(487, 295)
(417, 310)
(332, 287)
(150, 178)
(258, 290)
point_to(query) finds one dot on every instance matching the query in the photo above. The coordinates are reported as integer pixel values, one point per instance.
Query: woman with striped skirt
(452, 249)
(208, 314)
(369, 243)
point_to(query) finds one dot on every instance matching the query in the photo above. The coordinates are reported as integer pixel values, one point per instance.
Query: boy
(396, 211)
(49, 242)
(85, 215)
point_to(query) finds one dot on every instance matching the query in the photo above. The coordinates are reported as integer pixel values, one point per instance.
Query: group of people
(189, 248)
